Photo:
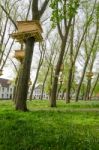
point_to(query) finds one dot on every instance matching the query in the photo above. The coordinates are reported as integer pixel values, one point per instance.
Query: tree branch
(9, 16)
(35, 11)
(28, 10)
(58, 25)
(43, 8)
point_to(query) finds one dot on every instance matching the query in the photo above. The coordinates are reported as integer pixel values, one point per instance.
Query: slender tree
(42, 53)
(87, 60)
(63, 35)
(21, 95)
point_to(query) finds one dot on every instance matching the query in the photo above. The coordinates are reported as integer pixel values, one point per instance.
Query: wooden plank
(24, 26)
(21, 36)
(19, 54)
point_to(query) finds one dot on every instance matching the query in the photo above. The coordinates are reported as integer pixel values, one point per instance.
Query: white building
(37, 93)
(6, 89)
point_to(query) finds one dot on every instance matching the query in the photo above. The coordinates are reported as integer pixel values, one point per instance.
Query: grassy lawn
(72, 126)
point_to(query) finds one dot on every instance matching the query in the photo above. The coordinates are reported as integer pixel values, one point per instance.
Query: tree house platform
(19, 55)
(27, 29)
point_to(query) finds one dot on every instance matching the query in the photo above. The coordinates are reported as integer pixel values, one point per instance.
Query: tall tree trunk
(37, 73)
(64, 37)
(57, 71)
(51, 81)
(91, 49)
(91, 93)
(85, 66)
(16, 86)
(68, 91)
(21, 95)
(87, 94)
(69, 83)
(70, 77)
(43, 86)
(63, 94)
(24, 76)
(81, 80)
(59, 89)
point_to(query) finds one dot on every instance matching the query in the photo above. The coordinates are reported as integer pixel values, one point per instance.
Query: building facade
(37, 93)
(6, 89)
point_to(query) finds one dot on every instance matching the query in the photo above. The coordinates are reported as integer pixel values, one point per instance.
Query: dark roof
(4, 82)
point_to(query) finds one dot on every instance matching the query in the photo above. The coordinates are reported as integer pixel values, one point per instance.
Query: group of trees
(67, 55)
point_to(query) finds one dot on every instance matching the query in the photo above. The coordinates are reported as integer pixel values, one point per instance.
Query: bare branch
(9, 16)
(28, 10)
(43, 8)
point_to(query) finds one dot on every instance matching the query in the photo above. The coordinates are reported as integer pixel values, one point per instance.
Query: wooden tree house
(19, 55)
(89, 74)
(27, 29)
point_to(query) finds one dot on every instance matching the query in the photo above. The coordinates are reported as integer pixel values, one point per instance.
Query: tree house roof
(28, 29)
(29, 25)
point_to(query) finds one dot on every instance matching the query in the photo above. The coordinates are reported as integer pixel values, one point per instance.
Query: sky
(9, 71)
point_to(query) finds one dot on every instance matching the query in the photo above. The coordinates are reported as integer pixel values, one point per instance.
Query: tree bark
(24, 76)
(43, 86)
(91, 93)
(68, 91)
(89, 54)
(59, 90)
(55, 82)
(69, 83)
(87, 94)
(63, 94)
(64, 38)
(38, 69)
(81, 80)
(22, 87)
(85, 66)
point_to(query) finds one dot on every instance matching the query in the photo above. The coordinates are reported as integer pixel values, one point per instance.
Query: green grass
(72, 126)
